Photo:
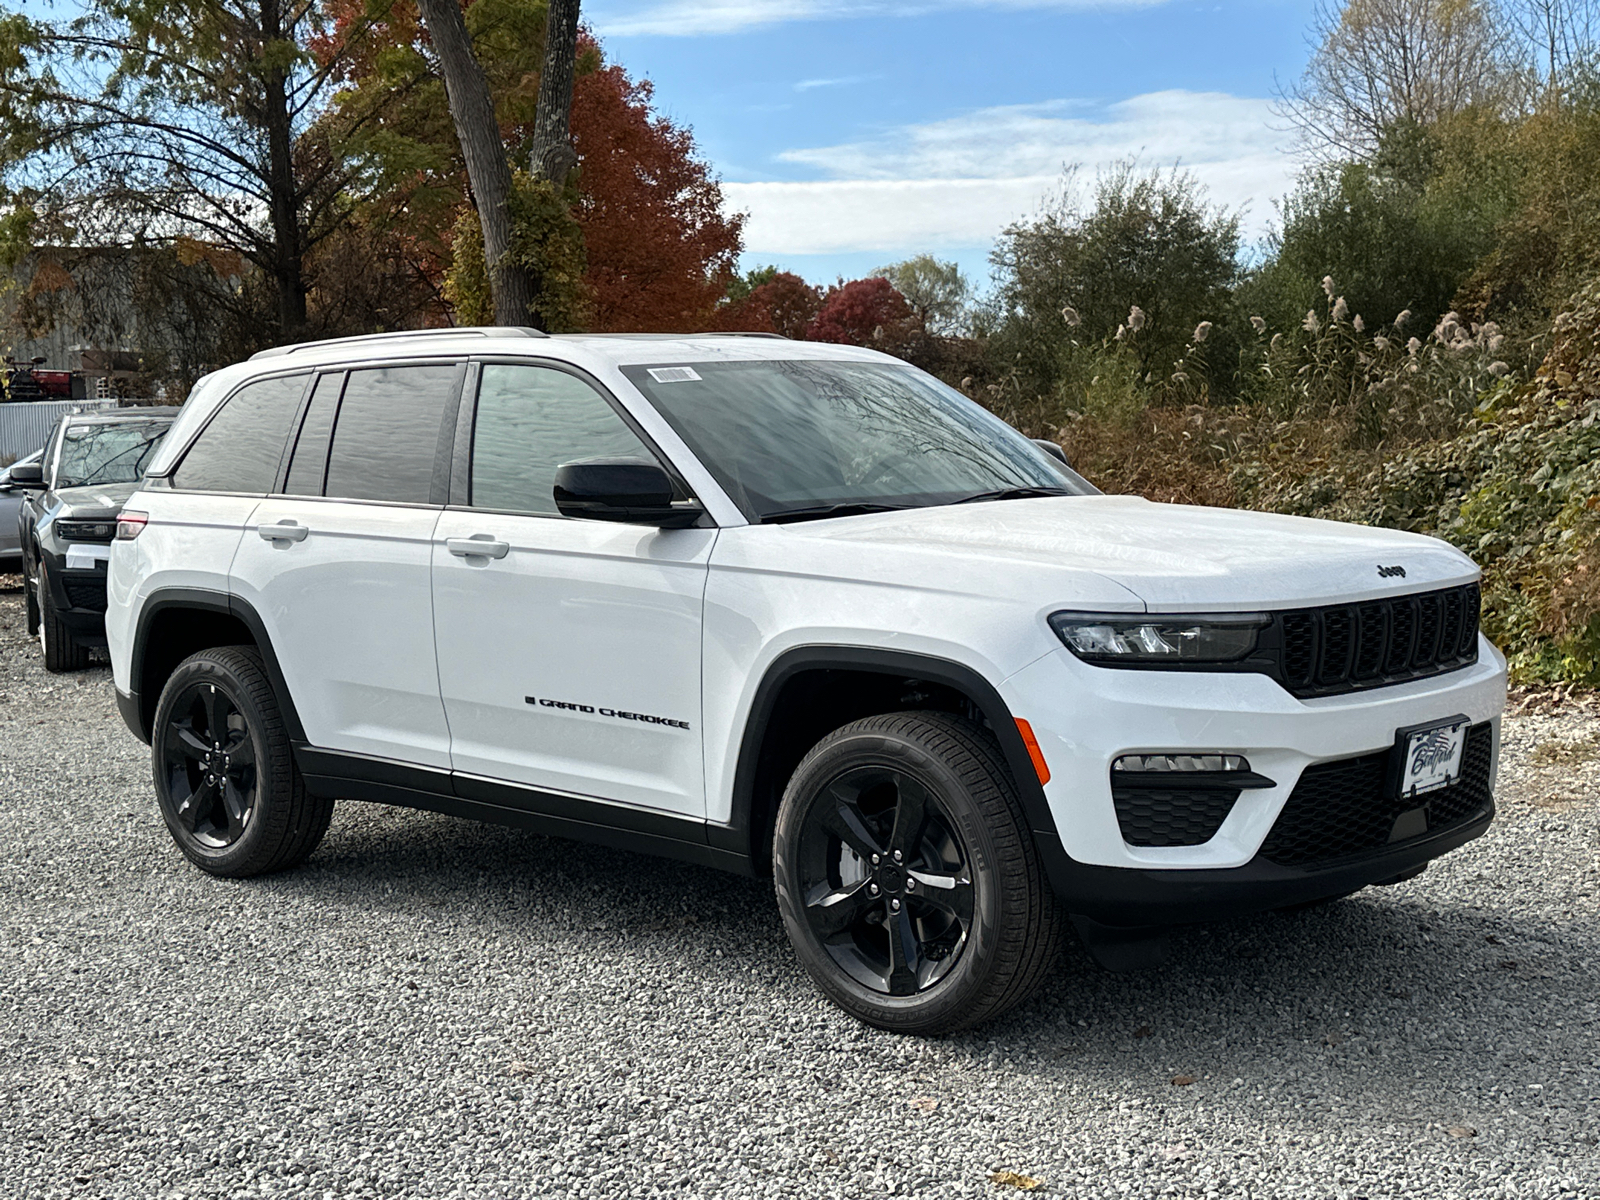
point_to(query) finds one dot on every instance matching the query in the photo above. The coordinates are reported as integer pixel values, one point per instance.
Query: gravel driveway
(432, 1007)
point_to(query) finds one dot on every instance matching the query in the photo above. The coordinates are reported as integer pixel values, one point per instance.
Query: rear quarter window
(240, 448)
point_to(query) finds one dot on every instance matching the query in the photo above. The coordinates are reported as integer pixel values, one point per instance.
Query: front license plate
(1432, 757)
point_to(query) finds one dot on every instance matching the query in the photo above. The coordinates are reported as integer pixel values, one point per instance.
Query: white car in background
(790, 608)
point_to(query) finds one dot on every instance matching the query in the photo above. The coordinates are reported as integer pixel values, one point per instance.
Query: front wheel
(225, 776)
(907, 878)
(61, 653)
(31, 603)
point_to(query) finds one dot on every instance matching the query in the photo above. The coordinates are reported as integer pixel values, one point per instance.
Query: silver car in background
(10, 528)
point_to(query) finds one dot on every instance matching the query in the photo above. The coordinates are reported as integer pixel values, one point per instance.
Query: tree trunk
(472, 110)
(552, 155)
(283, 193)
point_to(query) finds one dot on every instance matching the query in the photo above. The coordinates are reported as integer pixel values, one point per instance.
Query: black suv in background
(92, 463)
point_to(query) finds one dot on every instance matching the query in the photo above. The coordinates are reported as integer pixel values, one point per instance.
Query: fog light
(1181, 762)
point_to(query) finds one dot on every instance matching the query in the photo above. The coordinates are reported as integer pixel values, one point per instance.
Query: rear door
(197, 518)
(569, 650)
(337, 566)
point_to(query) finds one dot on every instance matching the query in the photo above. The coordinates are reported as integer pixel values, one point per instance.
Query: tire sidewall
(940, 1005)
(228, 860)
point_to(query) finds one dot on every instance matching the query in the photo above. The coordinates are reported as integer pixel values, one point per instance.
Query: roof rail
(484, 331)
(674, 337)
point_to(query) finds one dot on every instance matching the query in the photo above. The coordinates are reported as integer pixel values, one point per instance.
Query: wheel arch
(808, 691)
(177, 622)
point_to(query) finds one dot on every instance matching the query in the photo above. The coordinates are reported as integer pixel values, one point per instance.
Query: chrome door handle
(479, 545)
(283, 531)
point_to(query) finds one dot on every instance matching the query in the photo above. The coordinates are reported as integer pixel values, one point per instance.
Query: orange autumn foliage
(661, 248)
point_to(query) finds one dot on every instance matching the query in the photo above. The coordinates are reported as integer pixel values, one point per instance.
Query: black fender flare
(739, 834)
(139, 710)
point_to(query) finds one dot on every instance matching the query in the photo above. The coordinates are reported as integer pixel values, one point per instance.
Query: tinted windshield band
(782, 436)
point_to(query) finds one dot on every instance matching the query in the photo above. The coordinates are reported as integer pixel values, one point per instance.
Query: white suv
(786, 607)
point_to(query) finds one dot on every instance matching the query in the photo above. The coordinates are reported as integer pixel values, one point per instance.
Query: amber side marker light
(1040, 767)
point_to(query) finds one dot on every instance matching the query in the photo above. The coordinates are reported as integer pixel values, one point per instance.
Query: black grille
(1343, 808)
(1179, 817)
(1346, 647)
(87, 594)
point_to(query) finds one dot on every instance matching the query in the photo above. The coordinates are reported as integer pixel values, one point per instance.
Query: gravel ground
(437, 1008)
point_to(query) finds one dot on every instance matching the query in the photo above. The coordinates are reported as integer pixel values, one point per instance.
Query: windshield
(809, 437)
(103, 453)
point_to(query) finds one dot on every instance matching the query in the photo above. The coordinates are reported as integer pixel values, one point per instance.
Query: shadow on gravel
(1390, 981)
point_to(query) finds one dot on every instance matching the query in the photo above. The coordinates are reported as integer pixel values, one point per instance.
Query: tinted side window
(387, 433)
(240, 448)
(529, 421)
(310, 460)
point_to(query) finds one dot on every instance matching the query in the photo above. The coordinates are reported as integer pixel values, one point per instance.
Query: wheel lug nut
(874, 860)
(894, 905)
(872, 888)
(911, 884)
(897, 856)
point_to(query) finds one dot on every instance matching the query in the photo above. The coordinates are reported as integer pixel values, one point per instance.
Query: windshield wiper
(828, 510)
(1013, 493)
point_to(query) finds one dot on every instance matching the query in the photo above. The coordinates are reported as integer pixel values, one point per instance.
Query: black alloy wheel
(225, 776)
(210, 765)
(884, 879)
(907, 877)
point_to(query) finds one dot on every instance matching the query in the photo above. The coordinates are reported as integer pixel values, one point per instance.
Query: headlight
(86, 531)
(1145, 639)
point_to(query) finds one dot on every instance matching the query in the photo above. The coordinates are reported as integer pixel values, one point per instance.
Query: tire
(61, 653)
(31, 603)
(225, 777)
(977, 914)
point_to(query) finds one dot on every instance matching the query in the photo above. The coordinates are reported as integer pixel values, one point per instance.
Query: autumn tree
(511, 284)
(937, 291)
(145, 123)
(1379, 64)
(859, 312)
(645, 211)
(1073, 274)
(768, 300)
(661, 248)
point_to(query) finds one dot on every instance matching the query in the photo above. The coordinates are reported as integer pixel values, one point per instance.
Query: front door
(569, 650)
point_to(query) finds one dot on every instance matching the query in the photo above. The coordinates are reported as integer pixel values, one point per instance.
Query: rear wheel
(225, 776)
(906, 876)
(61, 653)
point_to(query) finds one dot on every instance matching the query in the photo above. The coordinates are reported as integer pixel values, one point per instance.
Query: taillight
(130, 525)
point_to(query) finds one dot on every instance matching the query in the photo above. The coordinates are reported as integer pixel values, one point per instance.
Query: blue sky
(856, 132)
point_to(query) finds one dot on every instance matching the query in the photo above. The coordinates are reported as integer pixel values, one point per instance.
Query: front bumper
(1148, 898)
(79, 596)
(1085, 717)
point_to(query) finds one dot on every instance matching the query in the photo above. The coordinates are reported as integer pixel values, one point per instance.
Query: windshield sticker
(674, 374)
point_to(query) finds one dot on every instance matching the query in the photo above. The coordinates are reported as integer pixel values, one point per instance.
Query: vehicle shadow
(1392, 984)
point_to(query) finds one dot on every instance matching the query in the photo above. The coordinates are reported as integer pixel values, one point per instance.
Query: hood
(98, 500)
(1174, 557)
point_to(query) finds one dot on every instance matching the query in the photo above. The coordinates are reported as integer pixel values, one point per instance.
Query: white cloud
(810, 85)
(958, 182)
(686, 18)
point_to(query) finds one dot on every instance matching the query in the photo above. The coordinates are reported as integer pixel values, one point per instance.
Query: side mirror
(27, 475)
(1053, 450)
(633, 490)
